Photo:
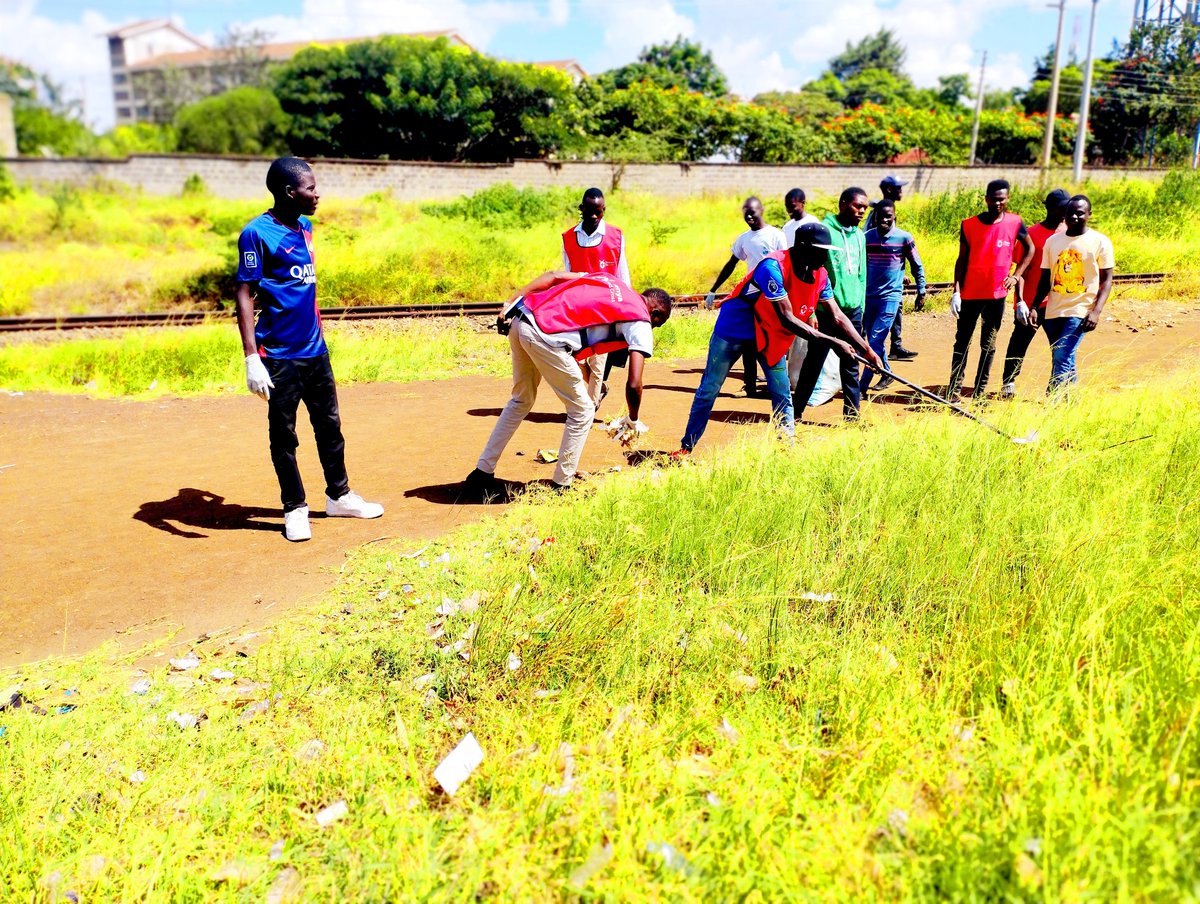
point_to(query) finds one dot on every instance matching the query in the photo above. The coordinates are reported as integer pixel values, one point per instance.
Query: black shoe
(482, 485)
(900, 353)
(883, 385)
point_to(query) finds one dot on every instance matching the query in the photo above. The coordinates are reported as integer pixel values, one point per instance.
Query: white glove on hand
(1022, 313)
(710, 300)
(955, 304)
(258, 381)
(625, 431)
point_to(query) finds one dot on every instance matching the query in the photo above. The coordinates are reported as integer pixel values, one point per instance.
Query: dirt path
(127, 520)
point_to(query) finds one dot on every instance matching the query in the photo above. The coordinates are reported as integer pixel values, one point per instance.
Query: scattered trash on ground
(236, 872)
(14, 699)
(185, 663)
(817, 597)
(513, 663)
(184, 720)
(221, 674)
(141, 687)
(599, 857)
(458, 765)
(285, 888)
(727, 731)
(546, 456)
(331, 814)
(277, 850)
(310, 750)
(671, 858)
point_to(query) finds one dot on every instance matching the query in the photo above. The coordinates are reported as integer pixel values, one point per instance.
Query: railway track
(374, 312)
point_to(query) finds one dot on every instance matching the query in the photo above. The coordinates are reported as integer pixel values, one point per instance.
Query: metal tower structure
(1165, 12)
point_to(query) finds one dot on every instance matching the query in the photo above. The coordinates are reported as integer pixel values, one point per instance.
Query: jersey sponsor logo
(306, 274)
(250, 260)
(1003, 243)
(603, 264)
(289, 249)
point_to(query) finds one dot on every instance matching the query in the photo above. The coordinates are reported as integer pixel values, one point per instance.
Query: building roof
(133, 29)
(571, 67)
(277, 51)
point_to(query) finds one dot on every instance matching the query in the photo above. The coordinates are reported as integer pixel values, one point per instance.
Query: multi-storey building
(157, 66)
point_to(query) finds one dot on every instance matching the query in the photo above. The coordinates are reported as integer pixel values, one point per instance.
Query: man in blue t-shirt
(735, 332)
(286, 359)
(888, 250)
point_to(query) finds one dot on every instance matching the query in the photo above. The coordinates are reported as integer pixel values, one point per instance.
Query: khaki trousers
(534, 360)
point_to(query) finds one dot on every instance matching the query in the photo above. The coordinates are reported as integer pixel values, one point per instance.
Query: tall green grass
(909, 663)
(208, 359)
(111, 249)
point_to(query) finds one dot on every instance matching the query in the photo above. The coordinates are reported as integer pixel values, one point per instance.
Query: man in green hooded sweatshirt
(848, 276)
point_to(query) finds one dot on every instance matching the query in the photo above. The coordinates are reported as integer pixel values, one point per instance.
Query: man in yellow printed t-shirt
(1077, 269)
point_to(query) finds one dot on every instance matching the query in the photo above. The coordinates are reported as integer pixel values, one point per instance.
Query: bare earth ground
(128, 521)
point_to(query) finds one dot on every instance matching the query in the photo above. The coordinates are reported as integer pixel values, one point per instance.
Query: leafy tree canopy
(682, 64)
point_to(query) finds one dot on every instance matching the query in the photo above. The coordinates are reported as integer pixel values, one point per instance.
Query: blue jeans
(878, 318)
(1064, 334)
(722, 355)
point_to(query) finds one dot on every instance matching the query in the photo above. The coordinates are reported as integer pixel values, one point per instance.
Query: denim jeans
(878, 318)
(722, 355)
(1064, 334)
(815, 360)
(307, 380)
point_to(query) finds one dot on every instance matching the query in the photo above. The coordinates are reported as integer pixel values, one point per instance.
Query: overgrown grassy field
(208, 359)
(107, 249)
(910, 663)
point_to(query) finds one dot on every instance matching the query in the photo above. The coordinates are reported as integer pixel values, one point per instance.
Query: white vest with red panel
(596, 299)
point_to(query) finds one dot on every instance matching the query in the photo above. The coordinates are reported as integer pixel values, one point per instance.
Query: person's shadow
(200, 508)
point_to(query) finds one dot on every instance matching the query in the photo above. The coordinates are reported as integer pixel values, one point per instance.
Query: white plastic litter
(817, 597)
(596, 861)
(458, 765)
(331, 814)
(185, 663)
(671, 858)
(221, 675)
(727, 731)
(183, 720)
(513, 663)
(277, 849)
(141, 687)
(138, 777)
(285, 888)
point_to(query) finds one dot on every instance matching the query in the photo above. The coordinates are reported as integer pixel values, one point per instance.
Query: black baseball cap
(815, 235)
(1057, 198)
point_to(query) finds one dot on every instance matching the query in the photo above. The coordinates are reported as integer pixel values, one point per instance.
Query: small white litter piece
(185, 663)
(331, 814)
(458, 765)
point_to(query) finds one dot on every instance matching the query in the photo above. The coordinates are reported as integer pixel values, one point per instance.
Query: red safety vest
(1038, 235)
(991, 255)
(593, 300)
(773, 338)
(602, 258)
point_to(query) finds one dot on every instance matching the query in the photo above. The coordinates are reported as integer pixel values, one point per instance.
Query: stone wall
(242, 177)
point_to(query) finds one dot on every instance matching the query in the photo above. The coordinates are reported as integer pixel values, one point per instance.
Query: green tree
(139, 138)
(681, 64)
(241, 121)
(953, 90)
(881, 50)
(1146, 101)
(810, 106)
(44, 120)
(765, 135)
(411, 98)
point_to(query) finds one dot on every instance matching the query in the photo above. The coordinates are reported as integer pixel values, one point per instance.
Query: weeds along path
(126, 521)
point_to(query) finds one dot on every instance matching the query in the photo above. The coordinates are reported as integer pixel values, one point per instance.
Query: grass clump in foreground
(995, 701)
(201, 360)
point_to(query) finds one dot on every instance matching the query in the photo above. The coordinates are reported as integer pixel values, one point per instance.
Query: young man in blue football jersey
(286, 359)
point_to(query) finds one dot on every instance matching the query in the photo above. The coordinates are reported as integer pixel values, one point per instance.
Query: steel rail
(364, 312)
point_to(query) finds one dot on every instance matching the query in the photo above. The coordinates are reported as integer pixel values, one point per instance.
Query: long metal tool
(1030, 437)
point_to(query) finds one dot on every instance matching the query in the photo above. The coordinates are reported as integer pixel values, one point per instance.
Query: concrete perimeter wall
(242, 177)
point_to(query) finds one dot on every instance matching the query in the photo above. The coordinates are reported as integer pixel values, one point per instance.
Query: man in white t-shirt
(793, 203)
(1077, 271)
(751, 247)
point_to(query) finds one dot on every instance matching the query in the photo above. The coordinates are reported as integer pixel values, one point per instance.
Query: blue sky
(767, 45)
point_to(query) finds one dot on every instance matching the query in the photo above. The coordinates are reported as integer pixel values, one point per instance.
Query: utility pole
(1085, 98)
(1052, 106)
(978, 110)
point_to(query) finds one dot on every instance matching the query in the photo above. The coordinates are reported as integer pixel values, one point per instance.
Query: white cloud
(629, 26)
(72, 53)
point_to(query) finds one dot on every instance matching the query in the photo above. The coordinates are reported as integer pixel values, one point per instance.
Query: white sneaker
(295, 525)
(352, 506)
(1008, 391)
